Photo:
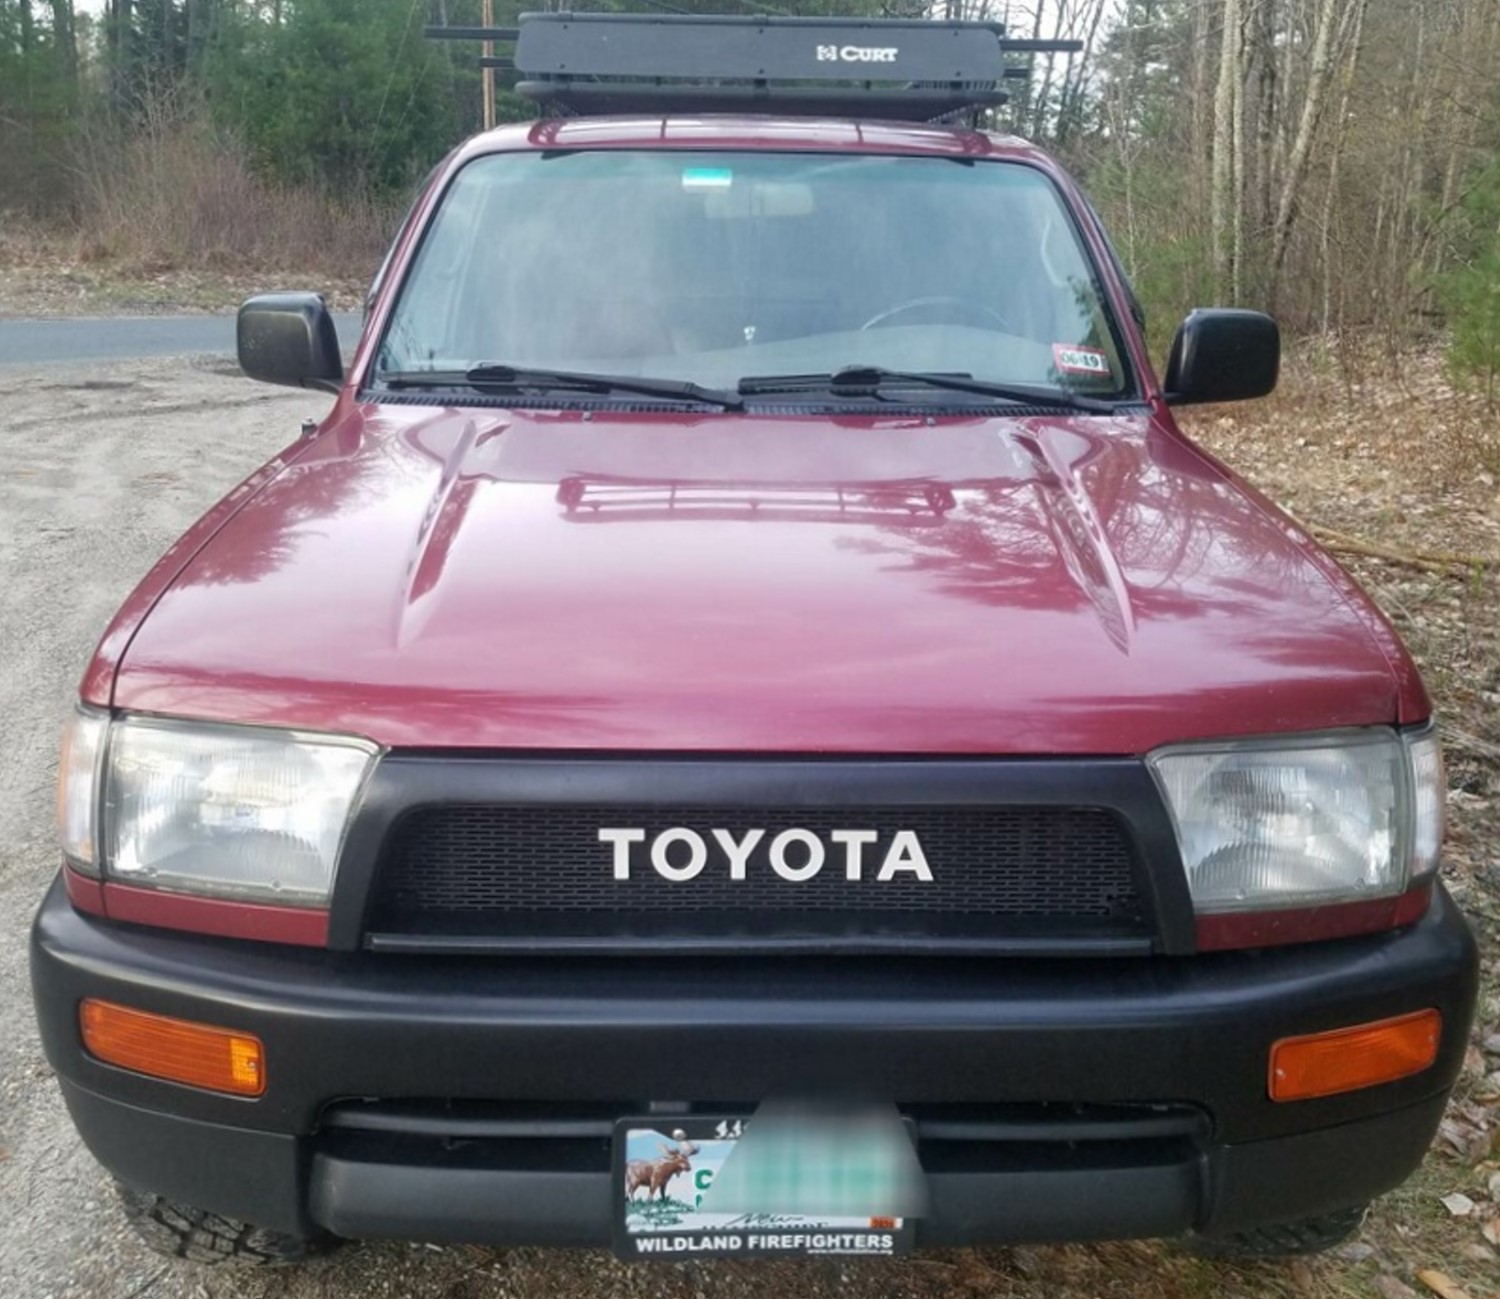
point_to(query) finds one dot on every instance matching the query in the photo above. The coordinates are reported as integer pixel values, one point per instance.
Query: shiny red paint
(97, 685)
(218, 916)
(416, 574)
(1097, 586)
(85, 893)
(227, 919)
(1240, 929)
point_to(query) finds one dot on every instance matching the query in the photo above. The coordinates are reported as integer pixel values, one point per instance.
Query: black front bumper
(464, 1098)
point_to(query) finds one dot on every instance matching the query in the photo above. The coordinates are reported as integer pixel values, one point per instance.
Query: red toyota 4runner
(747, 729)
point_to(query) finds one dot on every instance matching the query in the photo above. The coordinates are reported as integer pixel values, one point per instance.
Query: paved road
(118, 338)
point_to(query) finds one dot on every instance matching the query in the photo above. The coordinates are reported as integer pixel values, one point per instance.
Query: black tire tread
(1283, 1239)
(181, 1231)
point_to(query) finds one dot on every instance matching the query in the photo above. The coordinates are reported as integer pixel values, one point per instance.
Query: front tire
(1282, 1239)
(182, 1231)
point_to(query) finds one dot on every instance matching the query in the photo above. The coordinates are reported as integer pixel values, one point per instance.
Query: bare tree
(1227, 217)
(1332, 16)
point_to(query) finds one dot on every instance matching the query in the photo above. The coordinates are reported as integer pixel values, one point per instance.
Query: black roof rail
(907, 69)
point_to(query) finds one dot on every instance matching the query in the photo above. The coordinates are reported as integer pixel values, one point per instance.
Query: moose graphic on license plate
(796, 1188)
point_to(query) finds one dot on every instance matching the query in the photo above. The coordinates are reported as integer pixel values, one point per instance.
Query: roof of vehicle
(801, 134)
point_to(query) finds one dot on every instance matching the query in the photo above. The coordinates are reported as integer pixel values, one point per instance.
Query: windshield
(715, 267)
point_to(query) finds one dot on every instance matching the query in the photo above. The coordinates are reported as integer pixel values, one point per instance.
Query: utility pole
(489, 72)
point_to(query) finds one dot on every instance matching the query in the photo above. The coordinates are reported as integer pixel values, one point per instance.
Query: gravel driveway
(100, 475)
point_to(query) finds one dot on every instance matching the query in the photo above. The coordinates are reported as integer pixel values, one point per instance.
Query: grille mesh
(1046, 864)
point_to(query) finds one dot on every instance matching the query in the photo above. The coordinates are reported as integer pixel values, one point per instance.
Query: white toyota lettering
(622, 839)
(680, 854)
(854, 842)
(809, 868)
(905, 854)
(738, 852)
(697, 853)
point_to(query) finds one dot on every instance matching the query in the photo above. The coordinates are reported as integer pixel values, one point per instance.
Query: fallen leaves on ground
(47, 271)
(1440, 1283)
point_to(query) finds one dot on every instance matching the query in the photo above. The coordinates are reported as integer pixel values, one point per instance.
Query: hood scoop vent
(595, 499)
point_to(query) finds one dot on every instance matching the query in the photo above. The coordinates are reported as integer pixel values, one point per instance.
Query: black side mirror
(1223, 354)
(289, 338)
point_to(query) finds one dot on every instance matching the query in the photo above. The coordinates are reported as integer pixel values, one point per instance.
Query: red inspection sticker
(1080, 360)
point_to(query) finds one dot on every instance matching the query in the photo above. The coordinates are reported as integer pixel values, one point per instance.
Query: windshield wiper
(867, 380)
(490, 375)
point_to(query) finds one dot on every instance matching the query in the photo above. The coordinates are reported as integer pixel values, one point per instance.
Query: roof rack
(907, 69)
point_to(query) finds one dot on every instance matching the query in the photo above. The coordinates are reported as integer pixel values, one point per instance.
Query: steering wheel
(953, 305)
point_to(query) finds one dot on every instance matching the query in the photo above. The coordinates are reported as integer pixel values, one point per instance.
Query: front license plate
(665, 1169)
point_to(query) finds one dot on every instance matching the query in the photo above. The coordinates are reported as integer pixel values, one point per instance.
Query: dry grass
(177, 195)
(55, 272)
(174, 218)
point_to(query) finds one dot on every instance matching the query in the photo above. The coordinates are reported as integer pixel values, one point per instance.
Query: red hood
(493, 578)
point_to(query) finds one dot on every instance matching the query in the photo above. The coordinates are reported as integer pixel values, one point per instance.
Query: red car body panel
(97, 686)
(446, 577)
(464, 577)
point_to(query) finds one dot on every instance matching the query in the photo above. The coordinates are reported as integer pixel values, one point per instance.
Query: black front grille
(492, 868)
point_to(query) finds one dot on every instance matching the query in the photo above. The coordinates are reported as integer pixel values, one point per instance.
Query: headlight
(78, 787)
(1304, 821)
(232, 812)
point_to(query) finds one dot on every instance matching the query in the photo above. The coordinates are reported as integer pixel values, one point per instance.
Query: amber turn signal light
(1346, 1059)
(175, 1049)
